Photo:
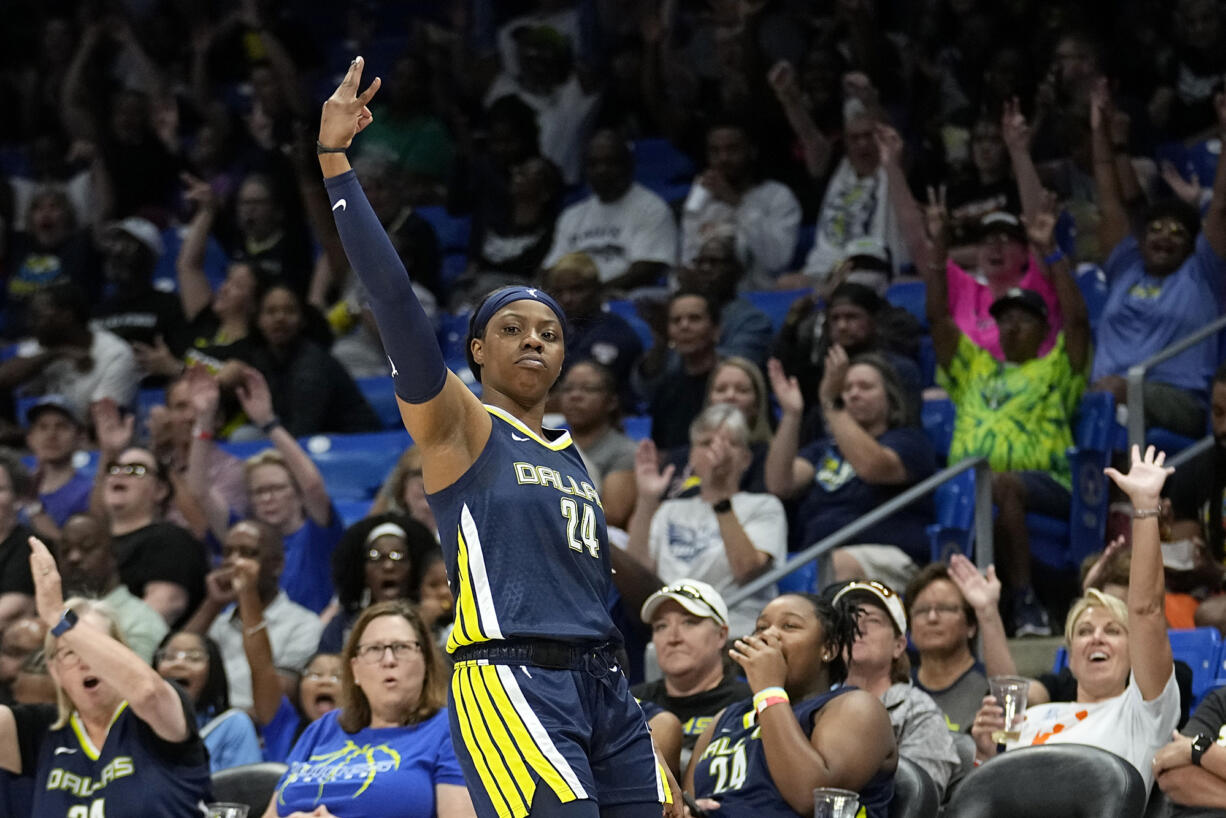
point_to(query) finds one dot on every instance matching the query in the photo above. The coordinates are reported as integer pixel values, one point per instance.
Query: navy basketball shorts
(518, 727)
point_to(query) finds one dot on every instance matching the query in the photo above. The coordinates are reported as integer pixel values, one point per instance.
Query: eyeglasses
(128, 469)
(372, 654)
(374, 555)
(313, 676)
(920, 611)
(268, 491)
(188, 657)
(690, 592)
(1168, 227)
(67, 657)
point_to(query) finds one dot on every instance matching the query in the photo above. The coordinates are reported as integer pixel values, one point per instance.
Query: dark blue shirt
(838, 496)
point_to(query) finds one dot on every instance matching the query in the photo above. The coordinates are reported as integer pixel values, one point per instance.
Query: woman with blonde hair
(117, 723)
(387, 751)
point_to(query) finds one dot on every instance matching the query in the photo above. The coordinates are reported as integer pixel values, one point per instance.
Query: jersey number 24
(581, 521)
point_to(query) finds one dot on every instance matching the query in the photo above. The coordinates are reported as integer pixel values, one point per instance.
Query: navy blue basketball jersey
(523, 535)
(733, 768)
(134, 773)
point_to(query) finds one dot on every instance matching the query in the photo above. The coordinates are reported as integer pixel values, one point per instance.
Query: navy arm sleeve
(418, 371)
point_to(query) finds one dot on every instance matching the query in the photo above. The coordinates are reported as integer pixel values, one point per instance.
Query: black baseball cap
(1018, 297)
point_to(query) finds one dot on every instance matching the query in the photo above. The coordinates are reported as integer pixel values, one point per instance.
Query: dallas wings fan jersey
(733, 768)
(523, 535)
(133, 774)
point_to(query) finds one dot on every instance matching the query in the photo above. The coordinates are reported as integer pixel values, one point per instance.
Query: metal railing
(983, 526)
(1136, 378)
(1192, 451)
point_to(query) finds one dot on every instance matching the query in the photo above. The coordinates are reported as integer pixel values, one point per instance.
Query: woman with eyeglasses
(121, 740)
(386, 752)
(378, 559)
(1164, 283)
(194, 662)
(802, 729)
(522, 527)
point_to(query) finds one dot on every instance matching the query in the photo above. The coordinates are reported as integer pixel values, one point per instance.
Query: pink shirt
(970, 298)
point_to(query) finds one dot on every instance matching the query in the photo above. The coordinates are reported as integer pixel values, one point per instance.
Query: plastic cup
(1010, 693)
(226, 809)
(831, 802)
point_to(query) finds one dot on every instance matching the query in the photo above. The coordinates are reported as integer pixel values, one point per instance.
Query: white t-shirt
(637, 227)
(767, 221)
(113, 374)
(1126, 725)
(685, 542)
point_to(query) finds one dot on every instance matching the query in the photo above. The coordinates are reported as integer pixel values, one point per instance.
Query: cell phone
(695, 810)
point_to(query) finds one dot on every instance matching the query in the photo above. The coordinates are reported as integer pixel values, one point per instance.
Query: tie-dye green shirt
(1019, 416)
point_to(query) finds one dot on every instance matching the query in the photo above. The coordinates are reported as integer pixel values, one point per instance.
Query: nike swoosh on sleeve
(339, 203)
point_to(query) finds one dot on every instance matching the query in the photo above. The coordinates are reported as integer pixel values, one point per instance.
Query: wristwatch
(723, 506)
(68, 619)
(1201, 743)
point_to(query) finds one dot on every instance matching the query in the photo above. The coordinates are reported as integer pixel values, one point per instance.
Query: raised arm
(1113, 216)
(256, 400)
(945, 332)
(1215, 219)
(650, 483)
(151, 697)
(443, 416)
(195, 292)
(814, 145)
(205, 396)
(872, 462)
(1148, 644)
(786, 474)
(982, 593)
(265, 681)
(1016, 132)
(906, 209)
(1040, 228)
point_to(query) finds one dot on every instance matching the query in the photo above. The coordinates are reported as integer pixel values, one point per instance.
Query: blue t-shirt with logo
(838, 496)
(307, 576)
(386, 771)
(1145, 314)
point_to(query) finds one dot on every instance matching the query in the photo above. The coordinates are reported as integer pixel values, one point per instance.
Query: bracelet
(254, 629)
(1053, 257)
(768, 696)
(266, 428)
(322, 148)
(202, 434)
(1144, 513)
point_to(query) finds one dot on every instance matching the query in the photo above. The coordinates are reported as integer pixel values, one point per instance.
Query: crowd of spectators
(668, 171)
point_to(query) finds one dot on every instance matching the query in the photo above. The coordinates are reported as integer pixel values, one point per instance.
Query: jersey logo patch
(520, 439)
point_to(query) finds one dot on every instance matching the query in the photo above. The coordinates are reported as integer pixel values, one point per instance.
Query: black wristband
(322, 148)
(266, 428)
(723, 506)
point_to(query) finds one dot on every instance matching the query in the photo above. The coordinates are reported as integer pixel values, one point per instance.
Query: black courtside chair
(1065, 780)
(250, 784)
(915, 793)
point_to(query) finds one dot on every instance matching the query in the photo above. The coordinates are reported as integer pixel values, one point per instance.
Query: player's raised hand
(345, 113)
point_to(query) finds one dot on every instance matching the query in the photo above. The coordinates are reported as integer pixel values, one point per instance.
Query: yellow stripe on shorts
(503, 758)
(467, 714)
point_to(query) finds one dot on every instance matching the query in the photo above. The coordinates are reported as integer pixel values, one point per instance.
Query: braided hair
(839, 627)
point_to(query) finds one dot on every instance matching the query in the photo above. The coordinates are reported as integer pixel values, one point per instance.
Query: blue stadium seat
(452, 231)
(671, 192)
(625, 308)
(380, 393)
(637, 427)
(659, 160)
(354, 466)
(452, 332)
(215, 259)
(1092, 282)
(805, 239)
(351, 511)
(1201, 649)
(954, 501)
(802, 580)
(910, 296)
(775, 303)
(454, 265)
(937, 418)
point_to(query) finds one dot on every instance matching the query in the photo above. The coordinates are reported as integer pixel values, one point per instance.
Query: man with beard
(293, 631)
(626, 229)
(88, 566)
